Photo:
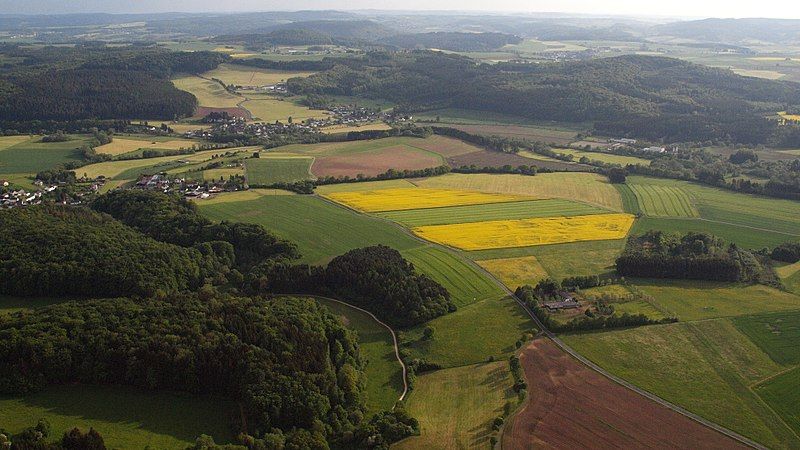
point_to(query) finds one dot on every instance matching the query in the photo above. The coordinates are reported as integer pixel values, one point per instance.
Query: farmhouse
(624, 141)
(654, 149)
(567, 302)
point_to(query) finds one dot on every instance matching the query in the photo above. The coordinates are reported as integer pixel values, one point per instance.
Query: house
(567, 301)
(654, 149)
(624, 141)
(4, 183)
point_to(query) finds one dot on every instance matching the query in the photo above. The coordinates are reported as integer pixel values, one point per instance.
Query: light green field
(742, 236)
(241, 196)
(224, 173)
(705, 367)
(635, 307)
(603, 157)
(384, 375)
(270, 109)
(472, 334)
(515, 272)
(130, 169)
(455, 407)
(208, 92)
(781, 393)
(251, 76)
(266, 171)
(696, 300)
(465, 283)
(494, 211)
(777, 334)
(125, 417)
(582, 187)
(321, 229)
(30, 155)
(564, 260)
(363, 186)
(128, 144)
(663, 201)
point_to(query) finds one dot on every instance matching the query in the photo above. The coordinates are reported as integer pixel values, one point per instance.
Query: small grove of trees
(37, 438)
(787, 252)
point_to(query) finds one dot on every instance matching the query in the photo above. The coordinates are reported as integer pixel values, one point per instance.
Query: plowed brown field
(571, 406)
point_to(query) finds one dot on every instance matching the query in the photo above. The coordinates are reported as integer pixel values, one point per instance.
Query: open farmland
(582, 187)
(456, 407)
(415, 198)
(535, 133)
(126, 417)
(515, 272)
(528, 232)
(490, 158)
(209, 93)
(334, 129)
(490, 211)
(378, 161)
(267, 171)
(130, 169)
(251, 76)
(266, 108)
(782, 395)
(696, 300)
(472, 334)
(571, 406)
(663, 201)
(609, 158)
(741, 235)
(123, 145)
(777, 334)
(28, 155)
(465, 283)
(320, 229)
(384, 375)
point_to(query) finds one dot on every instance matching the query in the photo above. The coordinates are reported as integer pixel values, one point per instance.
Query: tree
(617, 175)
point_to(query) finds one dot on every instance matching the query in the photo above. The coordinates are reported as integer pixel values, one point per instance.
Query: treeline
(312, 65)
(38, 437)
(292, 368)
(61, 84)
(175, 220)
(58, 250)
(699, 256)
(377, 279)
(648, 97)
(787, 252)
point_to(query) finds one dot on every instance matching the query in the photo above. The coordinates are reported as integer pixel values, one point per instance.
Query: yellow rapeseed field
(528, 232)
(416, 198)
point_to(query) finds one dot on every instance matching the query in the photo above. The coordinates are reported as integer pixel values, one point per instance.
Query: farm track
(574, 354)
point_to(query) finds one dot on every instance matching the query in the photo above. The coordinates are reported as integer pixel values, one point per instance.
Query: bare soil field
(236, 111)
(446, 146)
(548, 135)
(399, 157)
(571, 406)
(486, 158)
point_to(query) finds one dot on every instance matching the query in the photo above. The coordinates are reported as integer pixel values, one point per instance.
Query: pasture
(472, 334)
(125, 417)
(208, 92)
(415, 198)
(697, 300)
(528, 232)
(320, 229)
(363, 186)
(334, 129)
(251, 76)
(663, 201)
(743, 236)
(564, 260)
(267, 171)
(130, 169)
(608, 158)
(465, 283)
(266, 108)
(456, 407)
(28, 155)
(782, 395)
(777, 334)
(515, 272)
(129, 144)
(588, 188)
(705, 367)
(490, 211)
(384, 376)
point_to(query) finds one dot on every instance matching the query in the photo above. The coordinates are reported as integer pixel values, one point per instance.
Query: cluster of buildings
(187, 188)
(12, 197)
(565, 301)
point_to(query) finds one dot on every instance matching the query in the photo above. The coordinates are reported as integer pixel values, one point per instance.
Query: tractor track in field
(569, 350)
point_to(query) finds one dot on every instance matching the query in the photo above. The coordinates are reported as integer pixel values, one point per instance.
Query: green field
(564, 260)
(609, 158)
(494, 211)
(663, 201)
(384, 376)
(696, 300)
(488, 328)
(125, 417)
(705, 367)
(208, 92)
(777, 334)
(782, 394)
(465, 283)
(267, 171)
(321, 229)
(455, 407)
(269, 109)
(28, 155)
(630, 204)
(742, 236)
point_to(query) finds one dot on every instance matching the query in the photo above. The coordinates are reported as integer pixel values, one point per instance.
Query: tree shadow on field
(175, 414)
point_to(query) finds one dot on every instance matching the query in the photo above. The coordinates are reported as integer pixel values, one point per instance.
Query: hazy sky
(676, 8)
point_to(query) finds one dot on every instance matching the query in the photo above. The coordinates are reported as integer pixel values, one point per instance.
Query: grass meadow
(742, 236)
(251, 76)
(265, 108)
(208, 92)
(266, 171)
(456, 407)
(515, 272)
(28, 155)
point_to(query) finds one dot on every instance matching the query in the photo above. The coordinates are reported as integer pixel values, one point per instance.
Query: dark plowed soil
(236, 111)
(571, 406)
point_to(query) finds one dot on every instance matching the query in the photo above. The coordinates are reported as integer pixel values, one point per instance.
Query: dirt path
(572, 406)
